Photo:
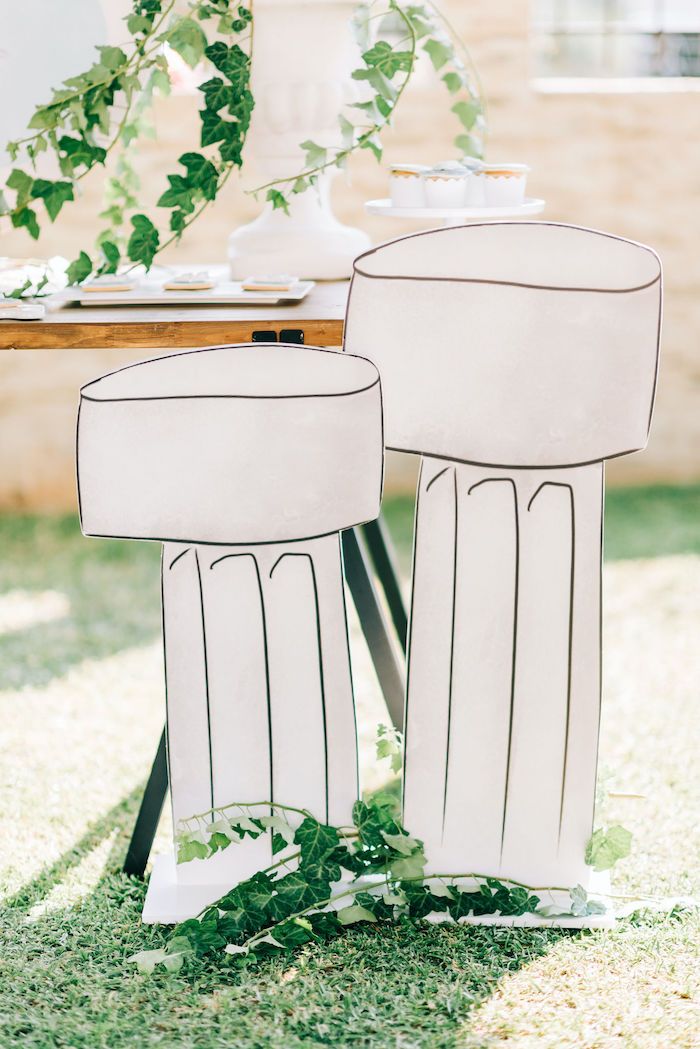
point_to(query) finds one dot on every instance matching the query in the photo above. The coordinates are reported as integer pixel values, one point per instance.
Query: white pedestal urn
(515, 358)
(303, 54)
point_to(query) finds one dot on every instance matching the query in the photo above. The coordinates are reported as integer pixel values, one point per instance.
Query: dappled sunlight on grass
(634, 986)
(78, 882)
(21, 609)
(72, 749)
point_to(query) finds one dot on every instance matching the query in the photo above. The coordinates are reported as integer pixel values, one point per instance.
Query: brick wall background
(626, 163)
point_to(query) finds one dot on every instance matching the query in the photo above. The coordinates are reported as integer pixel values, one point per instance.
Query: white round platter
(531, 206)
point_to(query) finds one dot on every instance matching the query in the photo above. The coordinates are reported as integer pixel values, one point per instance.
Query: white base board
(169, 901)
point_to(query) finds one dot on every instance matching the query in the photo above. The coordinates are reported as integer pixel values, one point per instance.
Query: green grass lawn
(80, 711)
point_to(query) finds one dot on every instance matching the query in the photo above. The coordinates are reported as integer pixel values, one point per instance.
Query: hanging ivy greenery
(104, 111)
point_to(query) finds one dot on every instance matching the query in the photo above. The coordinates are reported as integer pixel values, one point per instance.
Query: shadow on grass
(119, 818)
(112, 587)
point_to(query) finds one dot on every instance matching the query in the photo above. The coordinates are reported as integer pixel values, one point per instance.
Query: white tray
(224, 293)
(532, 206)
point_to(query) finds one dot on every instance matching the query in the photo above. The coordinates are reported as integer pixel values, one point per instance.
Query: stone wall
(626, 163)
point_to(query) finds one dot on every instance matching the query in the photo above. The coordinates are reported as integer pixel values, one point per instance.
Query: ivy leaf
(316, 840)
(453, 82)
(294, 893)
(112, 256)
(144, 240)
(347, 131)
(440, 54)
(466, 112)
(137, 24)
(315, 155)
(188, 850)
(370, 108)
(78, 152)
(111, 58)
(582, 906)
(409, 866)
(469, 146)
(54, 195)
(21, 182)
(390, 745)
(233, 62)
(247, 904)
(214, 127)
(355, 913)
(278, 843)
(294, 933)
(146, 961)
(187, 38)
(79, 269)
(402, 843)
(385, 58)
(381, 84)
(217, 94)
(371, 142)
(278, 200)
(201, 174)
(19, 292)
(246, 825)
(281, 829)
(179, 195)
(376, 905)
(26, 218)
(606, 847)
(421, 27)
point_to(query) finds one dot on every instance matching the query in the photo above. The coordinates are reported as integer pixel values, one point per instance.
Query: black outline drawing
(266, 659)
(214, 349)
(516, 475)
(516, 597)
(452, 638)
(446, 231)
(572, 583)
(319, 643)
(346, 787)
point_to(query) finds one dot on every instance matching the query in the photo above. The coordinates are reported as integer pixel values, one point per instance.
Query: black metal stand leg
(147, 820)
(374, 626)
(381, 551)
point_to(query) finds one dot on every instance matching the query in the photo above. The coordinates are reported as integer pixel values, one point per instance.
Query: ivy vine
(327, 878)
(103, 111)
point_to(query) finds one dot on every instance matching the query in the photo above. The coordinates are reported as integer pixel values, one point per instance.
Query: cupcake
(474, 197)
(446, 185)
(406, 185)
(504, 184)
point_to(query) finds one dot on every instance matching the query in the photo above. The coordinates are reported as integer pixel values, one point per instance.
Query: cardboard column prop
(515, 358)
(245, 462)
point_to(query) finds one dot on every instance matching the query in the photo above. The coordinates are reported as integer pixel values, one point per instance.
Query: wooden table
(319, 316)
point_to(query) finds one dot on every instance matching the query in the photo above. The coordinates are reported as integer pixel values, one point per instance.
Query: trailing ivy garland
(326, 878)
(102, 110)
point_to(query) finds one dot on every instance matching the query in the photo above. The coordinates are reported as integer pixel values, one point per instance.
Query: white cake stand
(455, 216)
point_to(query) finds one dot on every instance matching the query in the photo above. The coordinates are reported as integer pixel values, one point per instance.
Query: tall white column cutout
(245, 462)
(515, 358)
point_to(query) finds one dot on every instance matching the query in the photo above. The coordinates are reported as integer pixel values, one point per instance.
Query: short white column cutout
(245, 461)
(515, 358)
